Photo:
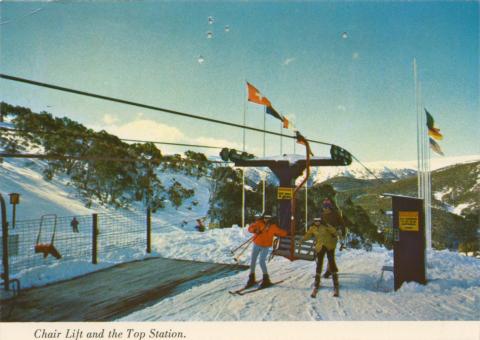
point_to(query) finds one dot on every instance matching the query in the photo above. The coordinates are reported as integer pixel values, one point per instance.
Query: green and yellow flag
(432, 130)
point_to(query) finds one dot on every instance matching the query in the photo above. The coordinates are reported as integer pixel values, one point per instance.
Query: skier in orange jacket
(264, 232)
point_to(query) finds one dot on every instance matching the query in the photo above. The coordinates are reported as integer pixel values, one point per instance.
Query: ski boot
(266, 281)
(336, 291)
(251, 280)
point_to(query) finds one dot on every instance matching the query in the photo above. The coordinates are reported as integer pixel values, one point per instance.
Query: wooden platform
(113, 292)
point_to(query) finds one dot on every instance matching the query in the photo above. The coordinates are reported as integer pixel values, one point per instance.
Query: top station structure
(287, 169)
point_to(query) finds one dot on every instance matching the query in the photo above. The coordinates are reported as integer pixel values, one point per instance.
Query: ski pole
(244, 243)
(245, 247)
(237, 257)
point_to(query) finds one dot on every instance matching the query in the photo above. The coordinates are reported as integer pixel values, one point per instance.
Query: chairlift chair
(302, 250)
(47, 248)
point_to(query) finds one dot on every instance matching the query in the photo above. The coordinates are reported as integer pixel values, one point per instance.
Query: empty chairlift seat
(302, 250)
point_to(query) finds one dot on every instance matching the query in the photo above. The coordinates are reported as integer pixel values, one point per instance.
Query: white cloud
(355, 55)
(146, 129)
(287, 61)
(341, 108)
(109, 119)
(217, 142)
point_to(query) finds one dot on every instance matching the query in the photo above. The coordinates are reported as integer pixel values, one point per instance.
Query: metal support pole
(14, 210)
(306, 205)
(263, 193)
(5, 274)
(94, 237)
(243, 197)
(149, 230)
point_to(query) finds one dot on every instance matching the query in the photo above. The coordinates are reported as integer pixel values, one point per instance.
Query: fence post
(6, 274)
(149, 231)
(94, 237)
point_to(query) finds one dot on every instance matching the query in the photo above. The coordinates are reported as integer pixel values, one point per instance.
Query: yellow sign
(284, 193)
(408, 220)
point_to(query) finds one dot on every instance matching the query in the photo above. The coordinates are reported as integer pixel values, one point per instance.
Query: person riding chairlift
(264, 231)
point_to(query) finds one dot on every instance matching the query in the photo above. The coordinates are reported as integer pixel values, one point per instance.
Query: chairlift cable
(150, 107)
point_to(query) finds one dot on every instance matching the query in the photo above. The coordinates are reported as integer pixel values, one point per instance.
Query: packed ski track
(452, 292)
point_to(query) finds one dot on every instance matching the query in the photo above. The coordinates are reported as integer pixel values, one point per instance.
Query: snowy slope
(37, 196)
(453, 292)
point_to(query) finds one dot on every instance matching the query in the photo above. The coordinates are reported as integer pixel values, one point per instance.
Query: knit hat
(327, 204)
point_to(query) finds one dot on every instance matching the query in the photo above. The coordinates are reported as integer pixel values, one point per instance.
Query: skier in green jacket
(326, 242)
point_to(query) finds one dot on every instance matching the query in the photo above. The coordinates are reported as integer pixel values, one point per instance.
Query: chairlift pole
(293, 222)
(306, 206)
(281, 139)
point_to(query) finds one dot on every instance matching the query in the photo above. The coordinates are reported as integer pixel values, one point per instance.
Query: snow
(439, 194)
(459, 208)
(386, 169)
(452, 293)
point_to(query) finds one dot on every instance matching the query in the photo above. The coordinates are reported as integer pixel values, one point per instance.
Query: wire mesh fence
(117, 237)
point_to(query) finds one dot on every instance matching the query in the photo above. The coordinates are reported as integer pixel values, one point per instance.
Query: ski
(238, 291)
(243, 292)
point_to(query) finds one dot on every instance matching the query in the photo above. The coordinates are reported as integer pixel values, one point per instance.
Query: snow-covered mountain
(391, 170)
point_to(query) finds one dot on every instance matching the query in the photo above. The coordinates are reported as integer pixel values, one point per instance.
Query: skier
(326, 242)
(264, 232)
(74, 225)
(332, 217)
(200, 226)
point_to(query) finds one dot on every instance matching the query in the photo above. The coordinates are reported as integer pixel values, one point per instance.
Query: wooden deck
(113, 292)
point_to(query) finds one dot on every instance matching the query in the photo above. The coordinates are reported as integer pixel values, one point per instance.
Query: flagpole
(243, 148)
(264, 143)
(427, 183)
(415, 78)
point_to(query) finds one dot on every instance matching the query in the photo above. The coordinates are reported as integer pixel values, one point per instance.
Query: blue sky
(356, 92)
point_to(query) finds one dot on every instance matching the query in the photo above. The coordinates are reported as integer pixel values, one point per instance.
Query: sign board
(409, 240)
(284, 193)
(408, 220)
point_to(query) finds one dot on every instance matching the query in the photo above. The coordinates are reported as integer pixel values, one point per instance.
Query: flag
(272, 112)
(435, 133)
(255, 96)
(435, 147)
(432, 130)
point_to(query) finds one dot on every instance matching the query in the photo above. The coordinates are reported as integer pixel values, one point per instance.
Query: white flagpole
(264, 144)
(243, 169)
(419, 181)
